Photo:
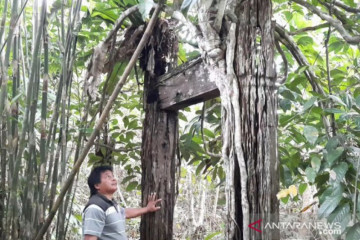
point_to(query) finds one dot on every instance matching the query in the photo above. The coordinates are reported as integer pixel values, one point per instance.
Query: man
(103, 219)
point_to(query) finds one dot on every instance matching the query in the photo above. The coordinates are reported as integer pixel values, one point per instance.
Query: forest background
(52, 96)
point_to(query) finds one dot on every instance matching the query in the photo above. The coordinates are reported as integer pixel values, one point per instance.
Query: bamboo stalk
(4, 78)
(68, 61)
(62, 22)
(71, 206)
(3, 97)
(31, 201)
(62, 234)
(4, 135)
(24, 60)
(49, 173)
(3, 21)
(3, 179)
(35, 18)
(99, 123)
(15, 105)
(54, 177)
(43, 123)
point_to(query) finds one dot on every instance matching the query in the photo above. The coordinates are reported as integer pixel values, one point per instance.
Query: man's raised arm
(151, 207)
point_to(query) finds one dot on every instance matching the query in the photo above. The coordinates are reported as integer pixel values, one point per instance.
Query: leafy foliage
(308, 152)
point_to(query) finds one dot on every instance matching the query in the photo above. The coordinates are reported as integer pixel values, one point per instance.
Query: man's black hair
(95, 177)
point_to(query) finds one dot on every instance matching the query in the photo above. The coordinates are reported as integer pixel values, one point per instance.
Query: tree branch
(122, 149)
(333, 22)
(332, 115)
(281, 52)
(119, 22)
(282, 36)
(99, 124)
(177, 15)
(312, 28)
(346, 7)
(338, 14)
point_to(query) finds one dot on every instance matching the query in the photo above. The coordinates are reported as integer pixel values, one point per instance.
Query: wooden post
(159, 140)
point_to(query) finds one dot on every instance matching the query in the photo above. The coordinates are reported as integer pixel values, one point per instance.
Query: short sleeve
(94, 221)
(122, 213)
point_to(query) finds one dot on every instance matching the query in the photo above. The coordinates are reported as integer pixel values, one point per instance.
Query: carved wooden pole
(159, 139)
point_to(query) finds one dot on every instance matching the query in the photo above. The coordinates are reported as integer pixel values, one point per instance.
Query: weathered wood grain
(189, 84)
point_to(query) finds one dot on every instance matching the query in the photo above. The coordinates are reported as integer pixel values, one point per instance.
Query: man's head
(101, 179)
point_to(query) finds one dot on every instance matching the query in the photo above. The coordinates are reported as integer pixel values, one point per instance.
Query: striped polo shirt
(103, 218)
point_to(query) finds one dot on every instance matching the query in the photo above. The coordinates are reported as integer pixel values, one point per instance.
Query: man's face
(108, 183)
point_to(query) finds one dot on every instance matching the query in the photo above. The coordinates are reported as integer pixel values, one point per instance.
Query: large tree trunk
(159, 138)
(240, 56)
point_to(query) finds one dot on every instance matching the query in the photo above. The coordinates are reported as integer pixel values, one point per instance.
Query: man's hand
(150, 207)
(152, 201)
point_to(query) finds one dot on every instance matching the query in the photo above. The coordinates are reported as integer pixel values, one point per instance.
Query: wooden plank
(186, 85)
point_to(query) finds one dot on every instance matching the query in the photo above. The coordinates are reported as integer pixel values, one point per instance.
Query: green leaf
(337, 100)
(145, 7)
(340, 171)
(311, 134)
(333, 155)
(93, 159)
(16, 98)
(357, 101)
(330, 202)
(332, 143)
(132, 186)
(200, 167)
(285, 175)
(321, 179)
(348, 100)
(334, 110)
(181, 54)
(78, 217)
(353, 233)
(315, 163)
(336, 46)
(114, 77)
(341, 216)
(128, 178)
(302, 188)
(209, 133)
(126, 121)
(288, 15)
(105, 13)
(301, 69)
(309, 103)
(214, 174)
(314, 2)
(212, 235)
(285, 104)
(285, 199)
(287, 94)
(305, 40)
(133, 124)
(182, 116)
(310, 174)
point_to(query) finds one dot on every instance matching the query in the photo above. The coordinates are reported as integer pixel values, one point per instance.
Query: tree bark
(159, 138)
(240, 58)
